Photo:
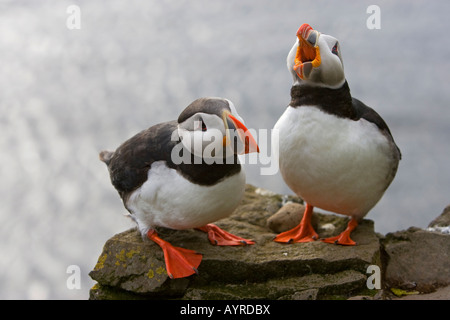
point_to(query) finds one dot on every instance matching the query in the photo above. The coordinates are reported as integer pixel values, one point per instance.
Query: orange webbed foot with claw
(180, 262)
(220, 237)
(304, 232)
(344, 238)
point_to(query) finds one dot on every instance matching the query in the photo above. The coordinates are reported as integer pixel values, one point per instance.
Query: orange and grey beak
(308, 52)
(233, 124)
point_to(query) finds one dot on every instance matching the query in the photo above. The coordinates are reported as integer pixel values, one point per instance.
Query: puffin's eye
(204, 126)
(335, 49)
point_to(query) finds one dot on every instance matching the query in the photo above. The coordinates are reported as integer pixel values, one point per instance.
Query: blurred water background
(67, 94)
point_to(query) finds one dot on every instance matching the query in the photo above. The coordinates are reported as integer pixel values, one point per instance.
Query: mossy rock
(135, 267)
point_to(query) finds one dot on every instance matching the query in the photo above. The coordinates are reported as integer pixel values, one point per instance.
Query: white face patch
(202, 134)
(330, 72)
(210, 137)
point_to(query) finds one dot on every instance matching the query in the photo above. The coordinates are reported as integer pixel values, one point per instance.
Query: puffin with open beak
(184, 174)
(334, 152)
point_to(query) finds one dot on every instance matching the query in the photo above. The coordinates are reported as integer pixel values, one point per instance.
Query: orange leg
(180, 262)
(304, 232)
(344, 238)
(220, 237)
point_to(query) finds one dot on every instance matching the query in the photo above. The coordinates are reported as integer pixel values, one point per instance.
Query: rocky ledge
(132, 268)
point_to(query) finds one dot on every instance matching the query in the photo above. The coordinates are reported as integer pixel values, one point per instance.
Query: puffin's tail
(106, 156)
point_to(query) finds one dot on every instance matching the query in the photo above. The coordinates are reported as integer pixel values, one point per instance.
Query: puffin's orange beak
(308, 52)
(244, 134)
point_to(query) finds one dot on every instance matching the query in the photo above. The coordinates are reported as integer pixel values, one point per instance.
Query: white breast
(333, 163)
(169, 200)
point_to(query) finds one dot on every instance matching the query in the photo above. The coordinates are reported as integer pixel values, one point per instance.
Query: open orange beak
(308, 52)
(232, 123)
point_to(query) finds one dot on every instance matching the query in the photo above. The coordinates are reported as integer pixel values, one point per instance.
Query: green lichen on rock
(100, 262)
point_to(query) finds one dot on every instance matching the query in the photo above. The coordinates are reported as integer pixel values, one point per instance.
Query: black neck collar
(333, 101)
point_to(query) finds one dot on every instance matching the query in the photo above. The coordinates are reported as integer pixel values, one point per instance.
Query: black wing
(129, 164)
(367, 113)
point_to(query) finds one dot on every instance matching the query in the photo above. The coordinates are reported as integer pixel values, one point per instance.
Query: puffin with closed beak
(184, 174)
(334, 152)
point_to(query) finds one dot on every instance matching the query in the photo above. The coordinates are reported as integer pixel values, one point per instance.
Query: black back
(129, 164)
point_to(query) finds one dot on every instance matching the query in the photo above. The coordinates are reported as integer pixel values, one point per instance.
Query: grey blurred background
(67, 94)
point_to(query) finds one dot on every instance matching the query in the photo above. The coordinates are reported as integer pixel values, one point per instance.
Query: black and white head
(212, 128)
(316, 59)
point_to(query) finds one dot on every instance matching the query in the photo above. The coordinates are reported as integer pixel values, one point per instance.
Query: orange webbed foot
(180, 262)
(221, 237)
(300, 233)
(344, 238)
(304, 232)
